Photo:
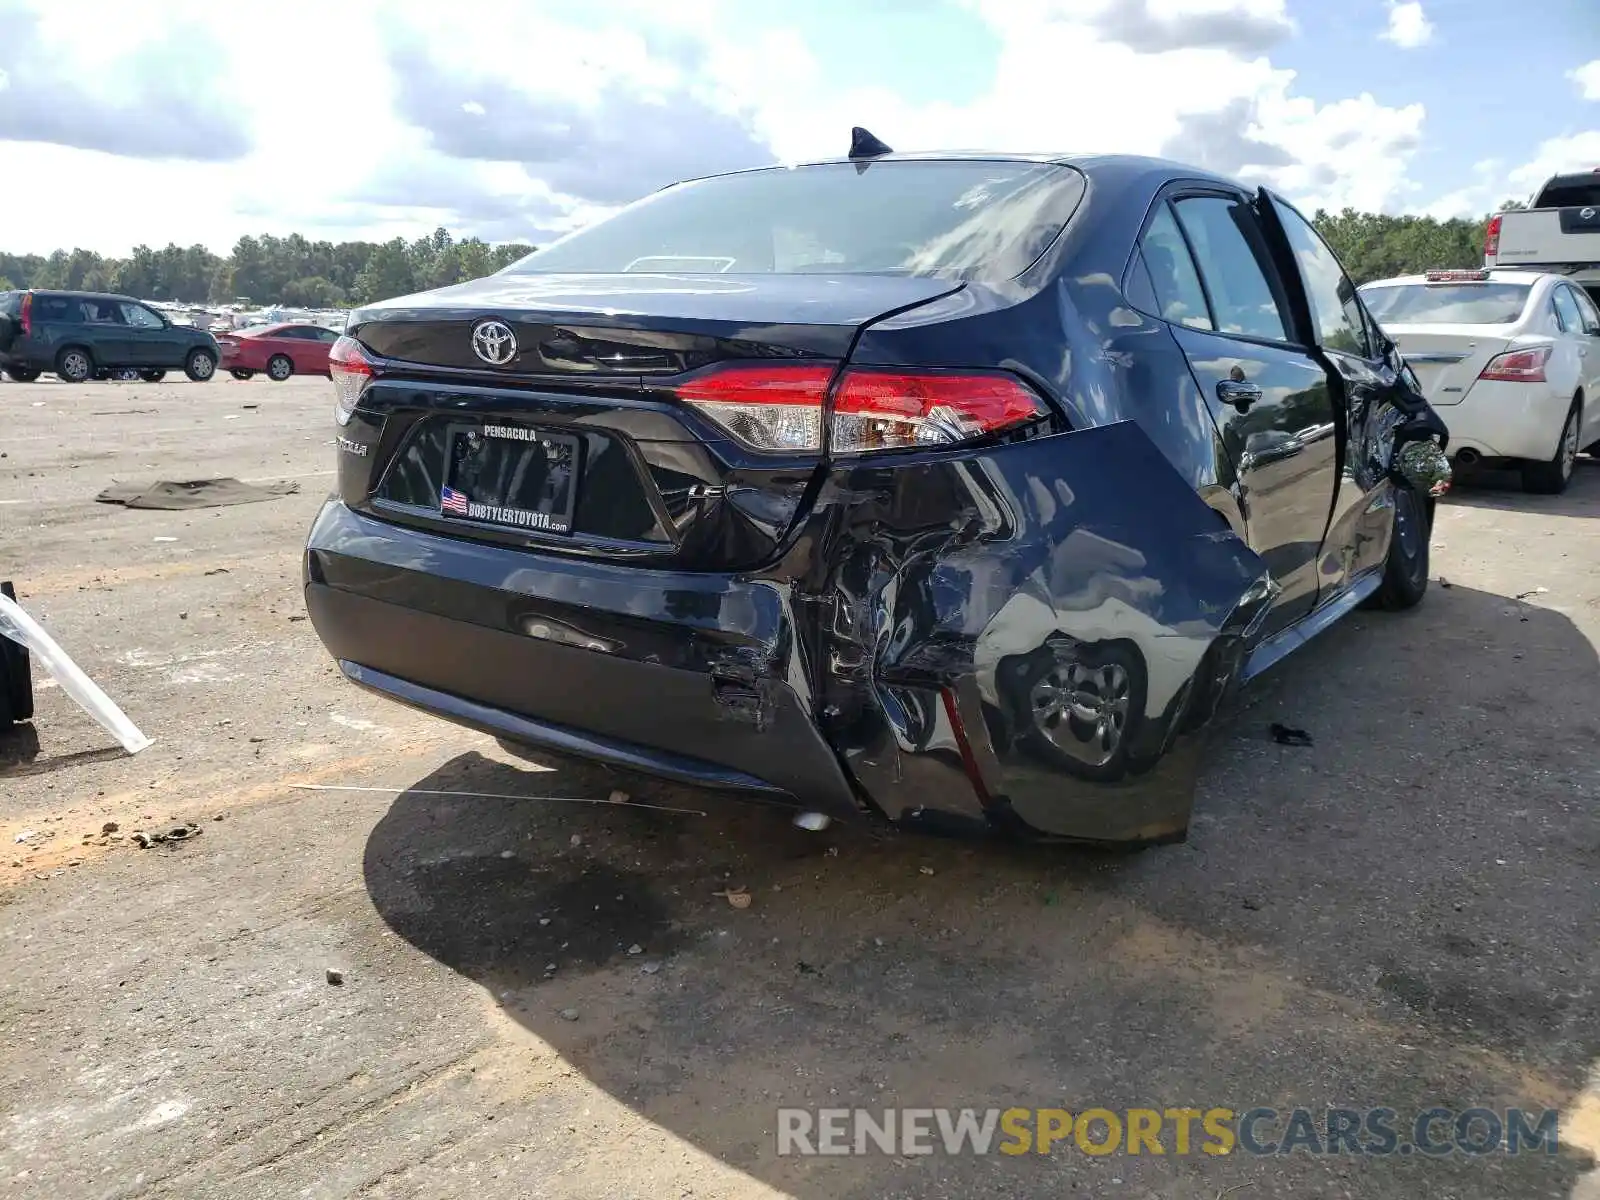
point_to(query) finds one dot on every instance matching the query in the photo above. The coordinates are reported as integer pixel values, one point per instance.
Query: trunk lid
(556, 429)
(1448, 359)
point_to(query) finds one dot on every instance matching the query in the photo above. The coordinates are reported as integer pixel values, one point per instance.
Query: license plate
(511, 476)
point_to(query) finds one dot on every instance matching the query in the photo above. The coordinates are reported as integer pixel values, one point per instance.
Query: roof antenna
(864, 145)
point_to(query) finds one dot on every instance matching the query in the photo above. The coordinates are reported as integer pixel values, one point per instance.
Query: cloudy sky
(127, 121)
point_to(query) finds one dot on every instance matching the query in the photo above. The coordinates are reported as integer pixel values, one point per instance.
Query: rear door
(1204, 261)
(107, 333)
(1591, 391)
(308, 346)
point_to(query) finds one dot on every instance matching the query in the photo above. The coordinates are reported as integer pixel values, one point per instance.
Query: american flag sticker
(452, 502)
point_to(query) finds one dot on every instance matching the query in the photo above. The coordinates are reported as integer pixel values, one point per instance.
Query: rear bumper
(693, 678)
(889, 663)
(1506, 420)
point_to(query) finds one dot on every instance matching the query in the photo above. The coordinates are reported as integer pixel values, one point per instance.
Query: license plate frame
(475, 487)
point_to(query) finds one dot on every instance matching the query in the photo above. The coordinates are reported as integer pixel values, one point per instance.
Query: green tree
(389, 272)
(314, 291)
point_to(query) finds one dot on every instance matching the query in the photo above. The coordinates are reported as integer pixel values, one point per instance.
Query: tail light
(27, 313)
(1491, 237)
(781, 408)
(1518, 366)
(352, 370)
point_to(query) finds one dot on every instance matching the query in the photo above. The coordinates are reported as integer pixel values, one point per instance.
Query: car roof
(1527, 278)
(1106, 166)
(73, 294)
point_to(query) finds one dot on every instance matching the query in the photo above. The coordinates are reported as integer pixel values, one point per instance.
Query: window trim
(1377, 353)
(1181, 189)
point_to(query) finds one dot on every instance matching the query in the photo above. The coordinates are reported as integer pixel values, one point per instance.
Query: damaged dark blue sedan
(961, 489)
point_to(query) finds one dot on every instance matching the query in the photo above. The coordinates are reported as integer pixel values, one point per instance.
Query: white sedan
(1510, 360)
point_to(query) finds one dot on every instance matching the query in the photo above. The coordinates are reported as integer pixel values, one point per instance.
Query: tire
(1079, 708)
(74, 365)
(242, 375)
(152, 376)
(22, 374)
(16, 677)
(200, 365)
(279, 368)
(1405, 570)
(1551, 478)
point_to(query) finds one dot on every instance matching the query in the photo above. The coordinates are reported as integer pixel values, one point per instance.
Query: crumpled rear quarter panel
(953, 581)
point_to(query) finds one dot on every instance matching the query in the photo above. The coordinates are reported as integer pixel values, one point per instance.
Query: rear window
(1447, 304)
(1579, 192)
(971, 219)
(10, 302)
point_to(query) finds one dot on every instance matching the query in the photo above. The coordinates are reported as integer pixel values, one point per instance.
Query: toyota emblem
(1587, 214)
(494, 342)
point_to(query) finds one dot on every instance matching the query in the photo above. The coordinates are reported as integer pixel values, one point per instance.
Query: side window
(56, 309)
(140, 317)
(1567, 310)
(1179, 295)
(1234, 263)
(1591, 315)
(103, 312)
(1335, 311)
(1138, 289)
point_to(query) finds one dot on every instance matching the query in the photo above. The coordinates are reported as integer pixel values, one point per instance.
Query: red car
(279, 350)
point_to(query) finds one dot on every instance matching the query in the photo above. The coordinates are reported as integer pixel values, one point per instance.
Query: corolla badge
(494, 342)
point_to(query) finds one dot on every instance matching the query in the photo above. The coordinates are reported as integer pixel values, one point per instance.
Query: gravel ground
(1403, 914)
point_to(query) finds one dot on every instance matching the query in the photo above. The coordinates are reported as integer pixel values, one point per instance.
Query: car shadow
(1398, 915)
(1483, 487)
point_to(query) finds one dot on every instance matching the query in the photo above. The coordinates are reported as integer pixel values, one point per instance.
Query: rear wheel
(200, 366)
(1551, 478)
(242, 374)
(279, 368)
(1405, 571)
(22, 374)
(1079, 707)
(152, 376)
(74, 365)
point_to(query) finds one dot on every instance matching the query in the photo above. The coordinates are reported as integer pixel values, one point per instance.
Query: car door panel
(1591, 387)
(1371, 401)
(1279, 441)
(150, 342)
(1268, 398)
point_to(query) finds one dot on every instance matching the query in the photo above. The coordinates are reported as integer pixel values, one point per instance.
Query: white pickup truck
(1559, 234)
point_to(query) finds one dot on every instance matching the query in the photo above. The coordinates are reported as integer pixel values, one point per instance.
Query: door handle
(1238, 393)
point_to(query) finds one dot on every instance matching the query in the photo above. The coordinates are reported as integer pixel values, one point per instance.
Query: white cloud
(1587, 77)
(395, 117)
(1557, 156)
(1409, 26)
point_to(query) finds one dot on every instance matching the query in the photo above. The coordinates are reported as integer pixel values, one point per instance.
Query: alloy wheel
(1083, 709)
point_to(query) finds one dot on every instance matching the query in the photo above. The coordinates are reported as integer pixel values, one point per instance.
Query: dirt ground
(1403, 914)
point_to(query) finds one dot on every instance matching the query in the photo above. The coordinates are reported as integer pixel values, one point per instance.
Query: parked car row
(79, 336)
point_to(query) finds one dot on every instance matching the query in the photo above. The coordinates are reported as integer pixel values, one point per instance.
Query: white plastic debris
(23, 629)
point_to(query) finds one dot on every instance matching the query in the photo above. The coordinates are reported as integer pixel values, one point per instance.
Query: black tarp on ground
(193, 493)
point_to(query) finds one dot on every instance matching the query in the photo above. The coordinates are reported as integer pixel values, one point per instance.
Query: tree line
(295, 271)
(268, 270)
